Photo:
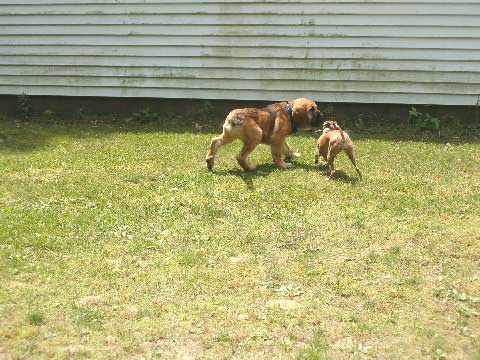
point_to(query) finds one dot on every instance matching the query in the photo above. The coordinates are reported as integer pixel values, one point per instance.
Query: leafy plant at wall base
(329, 111)
(423, 122)
(80, 114)
(49, 114)
(205, 111)
(24, 106)
(145, 115)
(359, 122)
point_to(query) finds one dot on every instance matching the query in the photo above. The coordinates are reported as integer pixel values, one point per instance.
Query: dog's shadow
(266, 169)
(339, 175)
(247, 177)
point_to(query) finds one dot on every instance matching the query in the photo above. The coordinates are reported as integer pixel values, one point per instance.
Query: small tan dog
(332, 141)
(270, 125)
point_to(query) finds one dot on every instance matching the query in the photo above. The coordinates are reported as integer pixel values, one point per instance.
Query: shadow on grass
(17, 136)
(266, 169)
(27, 136)
(247, 177)
(339, 175)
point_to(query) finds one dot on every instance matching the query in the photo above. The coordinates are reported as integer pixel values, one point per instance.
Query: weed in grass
(35, 318)
(87, 316)
(191, 258)
(222, 336)
(290, 290)
(392, 255)
(317, 349)
(409, 282)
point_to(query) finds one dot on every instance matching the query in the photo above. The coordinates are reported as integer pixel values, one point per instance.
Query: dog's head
(306, 114)
(330, 125)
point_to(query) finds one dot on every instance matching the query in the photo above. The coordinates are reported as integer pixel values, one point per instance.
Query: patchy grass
(116, 242)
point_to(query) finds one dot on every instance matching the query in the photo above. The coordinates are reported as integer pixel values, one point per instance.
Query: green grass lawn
(116, 242)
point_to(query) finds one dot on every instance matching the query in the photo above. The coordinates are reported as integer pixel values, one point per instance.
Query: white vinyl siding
(385, 51)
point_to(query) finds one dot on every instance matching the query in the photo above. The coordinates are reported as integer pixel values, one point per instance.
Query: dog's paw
(248, 166)
(296, 155)
(210, 161)
(287, 166)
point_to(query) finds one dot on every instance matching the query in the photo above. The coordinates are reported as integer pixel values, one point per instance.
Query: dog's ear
(299, 107)
(304, 111)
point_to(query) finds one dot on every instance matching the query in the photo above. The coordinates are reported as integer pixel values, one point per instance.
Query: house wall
(385, 51)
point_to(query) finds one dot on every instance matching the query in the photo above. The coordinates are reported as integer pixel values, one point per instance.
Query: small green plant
(329, 111)
(49, 114)
(205, 111)
(35, 318)
(24, 106)
(359, 122)
(145, 115)
(80, 114)
(317, 349)
(222, 336)
(423, 122)
(439, 354)
(88, 316)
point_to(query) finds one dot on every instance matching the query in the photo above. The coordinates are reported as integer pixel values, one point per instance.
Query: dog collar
(290, 117)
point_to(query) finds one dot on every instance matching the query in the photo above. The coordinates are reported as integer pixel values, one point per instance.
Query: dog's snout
(317, 118)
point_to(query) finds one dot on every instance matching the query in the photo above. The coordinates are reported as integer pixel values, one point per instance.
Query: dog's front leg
(317, 153)
(289, 153)
(277, 150)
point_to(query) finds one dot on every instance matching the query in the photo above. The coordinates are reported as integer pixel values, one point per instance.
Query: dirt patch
(179, 349)
(284, 304)
(90, 300)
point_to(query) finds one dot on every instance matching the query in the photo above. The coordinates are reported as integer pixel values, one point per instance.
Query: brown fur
(333, 125)
(333, 142)
(270, 125)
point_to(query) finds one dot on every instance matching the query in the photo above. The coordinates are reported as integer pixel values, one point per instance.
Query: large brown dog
(270, 125)
(332, 141)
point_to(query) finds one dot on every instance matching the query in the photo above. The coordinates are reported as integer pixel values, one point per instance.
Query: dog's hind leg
(332, 152)
(351, 156)
(242, 157)
(251, 138)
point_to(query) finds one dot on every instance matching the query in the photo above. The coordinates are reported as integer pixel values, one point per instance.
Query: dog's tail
(341, 132)
(351, 156)
(233, 119)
